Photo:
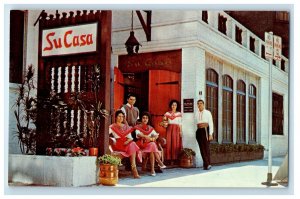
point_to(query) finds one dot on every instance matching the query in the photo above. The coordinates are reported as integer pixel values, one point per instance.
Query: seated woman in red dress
(147, 137)
(124, 141)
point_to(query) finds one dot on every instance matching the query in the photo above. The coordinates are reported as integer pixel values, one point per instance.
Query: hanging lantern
(132, 44)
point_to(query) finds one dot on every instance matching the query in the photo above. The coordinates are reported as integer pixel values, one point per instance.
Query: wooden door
(118, 89)
(163, 87)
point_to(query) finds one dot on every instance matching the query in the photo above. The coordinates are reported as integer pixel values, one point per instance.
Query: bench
(161, 142)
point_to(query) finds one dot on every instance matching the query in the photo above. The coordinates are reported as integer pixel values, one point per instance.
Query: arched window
(227, 109)
(212, 98)
(241, 112)
(252, 114)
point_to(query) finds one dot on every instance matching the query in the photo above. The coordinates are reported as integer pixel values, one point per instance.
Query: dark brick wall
(260, 22)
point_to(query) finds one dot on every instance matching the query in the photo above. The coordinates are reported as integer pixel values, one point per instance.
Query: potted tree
(109, 169)
(187, 156)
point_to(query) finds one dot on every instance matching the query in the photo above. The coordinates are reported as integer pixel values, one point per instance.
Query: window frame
(212, 81)
(241, 112)
(252, 127)
(227, 109)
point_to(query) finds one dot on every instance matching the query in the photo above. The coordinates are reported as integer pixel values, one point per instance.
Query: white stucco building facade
(203, 45)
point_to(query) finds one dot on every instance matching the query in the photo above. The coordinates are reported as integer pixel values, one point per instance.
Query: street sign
(277, 48)
(269, 45)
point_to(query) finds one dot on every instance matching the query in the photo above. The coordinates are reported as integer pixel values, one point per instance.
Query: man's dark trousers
(202, 139)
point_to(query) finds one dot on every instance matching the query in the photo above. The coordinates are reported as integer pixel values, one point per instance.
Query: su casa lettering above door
(70, 40)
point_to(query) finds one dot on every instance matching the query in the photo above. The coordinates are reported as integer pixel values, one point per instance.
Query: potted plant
(76, 152)
(109, 172)
(25, 113)
(187, 156)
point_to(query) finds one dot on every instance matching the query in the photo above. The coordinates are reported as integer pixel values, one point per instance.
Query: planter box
(244, 156)
(258, 155)
(220, 158)
(223, 158)
(52, 170)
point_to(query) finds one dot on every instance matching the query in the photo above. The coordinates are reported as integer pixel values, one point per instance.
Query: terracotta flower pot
(186, 162)
(93, 151)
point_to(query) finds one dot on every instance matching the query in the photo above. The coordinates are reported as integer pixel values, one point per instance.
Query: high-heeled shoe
(153, 173)
(162, 166)
(135, 172)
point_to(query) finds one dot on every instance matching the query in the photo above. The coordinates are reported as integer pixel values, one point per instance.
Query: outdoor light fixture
(132, 44)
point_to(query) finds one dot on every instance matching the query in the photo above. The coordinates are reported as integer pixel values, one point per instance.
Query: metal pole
(270, 126)
(269, 175)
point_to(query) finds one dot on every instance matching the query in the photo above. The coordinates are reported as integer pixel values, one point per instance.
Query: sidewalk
(243, 175)
(243, 178)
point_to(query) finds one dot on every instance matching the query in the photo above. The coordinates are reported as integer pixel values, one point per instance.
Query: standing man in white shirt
(204, 133)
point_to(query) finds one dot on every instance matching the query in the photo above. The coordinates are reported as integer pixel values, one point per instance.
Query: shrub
(109, 159)
(187, 152)
(228, 148)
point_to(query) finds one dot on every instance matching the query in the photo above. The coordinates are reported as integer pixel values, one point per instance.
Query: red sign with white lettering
(70, 40)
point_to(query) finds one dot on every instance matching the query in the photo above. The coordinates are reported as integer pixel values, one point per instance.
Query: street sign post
(269, 54)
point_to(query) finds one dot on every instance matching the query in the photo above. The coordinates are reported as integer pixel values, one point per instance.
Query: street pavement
(248, 174)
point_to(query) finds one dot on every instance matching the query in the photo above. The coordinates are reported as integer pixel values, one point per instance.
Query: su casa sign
(70, 40)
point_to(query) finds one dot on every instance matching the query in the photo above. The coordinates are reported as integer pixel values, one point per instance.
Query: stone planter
(52, 170)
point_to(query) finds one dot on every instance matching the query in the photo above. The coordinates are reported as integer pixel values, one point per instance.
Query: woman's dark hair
(147, 114)
(118, 112)
(178, 105)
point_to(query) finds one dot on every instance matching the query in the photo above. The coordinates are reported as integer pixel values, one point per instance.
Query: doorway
(154, 89)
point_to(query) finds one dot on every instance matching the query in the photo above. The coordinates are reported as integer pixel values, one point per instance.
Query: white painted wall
(193, 81)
